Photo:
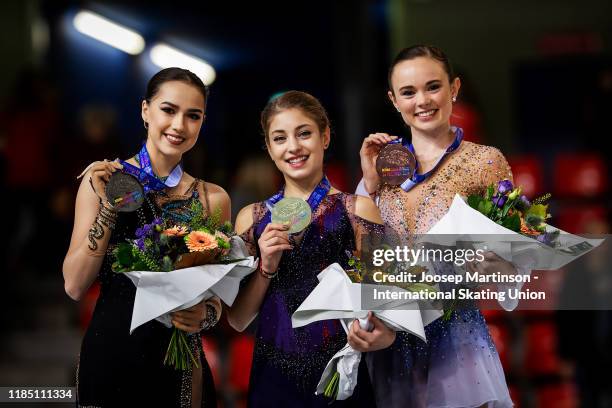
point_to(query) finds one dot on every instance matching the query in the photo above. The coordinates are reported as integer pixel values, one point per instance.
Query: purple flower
(140, 233)
(499, 200)
(147, 229)
(504, 186)
(140, 243)
(548, 238)
(523, 203)
(157, 221)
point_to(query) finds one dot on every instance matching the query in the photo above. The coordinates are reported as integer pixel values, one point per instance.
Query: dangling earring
(398, 109)
(145, 124)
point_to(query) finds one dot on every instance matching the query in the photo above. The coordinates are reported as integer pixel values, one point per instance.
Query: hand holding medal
(395, 163)
(100, 173)
(124, 192)
(293, 212)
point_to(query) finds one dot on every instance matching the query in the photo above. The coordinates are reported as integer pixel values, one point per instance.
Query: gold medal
(292, 211)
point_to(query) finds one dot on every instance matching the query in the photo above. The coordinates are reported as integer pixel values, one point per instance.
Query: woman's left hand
(379, 338)
(190, 320)
(491, 264)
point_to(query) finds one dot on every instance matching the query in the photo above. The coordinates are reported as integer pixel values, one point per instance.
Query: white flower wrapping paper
(464, 223)
(337, 297)
(160, 293)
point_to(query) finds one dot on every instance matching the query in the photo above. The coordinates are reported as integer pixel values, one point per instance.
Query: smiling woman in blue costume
(458, 366)
(287, 362)
(117, 368)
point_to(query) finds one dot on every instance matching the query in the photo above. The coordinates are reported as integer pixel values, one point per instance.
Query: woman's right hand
(273, 241)
(99, 174)
(371, 147)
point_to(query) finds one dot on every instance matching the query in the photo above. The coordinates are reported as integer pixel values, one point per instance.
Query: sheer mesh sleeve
(494, 168)
(365, 231)
(248, 236)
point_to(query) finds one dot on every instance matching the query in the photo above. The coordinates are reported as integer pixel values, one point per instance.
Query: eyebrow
(428, 83)
(297, 128)
(173, 105)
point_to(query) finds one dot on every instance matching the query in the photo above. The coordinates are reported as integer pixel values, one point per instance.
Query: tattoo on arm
(96, 232)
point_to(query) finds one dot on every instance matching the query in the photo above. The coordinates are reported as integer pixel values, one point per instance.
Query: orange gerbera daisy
(176, 231)
(198, 241)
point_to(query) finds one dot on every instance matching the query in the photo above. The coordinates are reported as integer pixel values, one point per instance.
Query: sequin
(287, 362)
(458, 351)
(117, 368)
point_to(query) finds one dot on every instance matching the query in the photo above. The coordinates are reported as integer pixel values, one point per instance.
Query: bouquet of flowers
(205, 259)
(507, 223)
(506, 206)
(338, 296)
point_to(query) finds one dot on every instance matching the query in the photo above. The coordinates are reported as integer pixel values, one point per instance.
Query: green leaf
(490, 192)
(533, 220)
(513, 222)
(488, 206)
(167, 264)
(539, 210)
(123, 254)
(474, 200)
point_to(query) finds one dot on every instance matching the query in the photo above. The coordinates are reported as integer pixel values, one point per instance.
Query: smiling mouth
(426, 114)
(175, 140)
(297, 161)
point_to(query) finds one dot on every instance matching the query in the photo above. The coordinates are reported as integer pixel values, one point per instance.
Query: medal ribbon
(418, 178)
(314, 200)
(147, 177)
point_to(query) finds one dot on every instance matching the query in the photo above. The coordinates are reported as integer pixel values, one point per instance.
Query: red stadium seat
(541, 349)
(501, 338)
(580, 175)
(87, 305)
(515, 395)
(241, 358)
(338, 176)
(577, 219)
(562, 395)
(528, 173)
(211, 351)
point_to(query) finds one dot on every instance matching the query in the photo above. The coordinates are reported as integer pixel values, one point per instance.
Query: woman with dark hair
(458, 366)
(288, 362)
(117, 368)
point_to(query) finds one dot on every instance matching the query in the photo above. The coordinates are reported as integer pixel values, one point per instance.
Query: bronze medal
(395, 164)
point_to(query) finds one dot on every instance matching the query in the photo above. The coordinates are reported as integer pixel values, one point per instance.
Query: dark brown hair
(175, 74)
(417, 51)
(294, 100)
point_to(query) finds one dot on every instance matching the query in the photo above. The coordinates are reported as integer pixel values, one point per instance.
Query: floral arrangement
(506, 206)
(164, 247)
(359, 273)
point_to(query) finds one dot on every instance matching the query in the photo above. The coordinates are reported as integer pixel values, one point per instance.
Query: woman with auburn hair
(288, 362)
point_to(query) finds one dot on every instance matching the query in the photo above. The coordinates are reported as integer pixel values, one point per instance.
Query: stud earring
(454, 99)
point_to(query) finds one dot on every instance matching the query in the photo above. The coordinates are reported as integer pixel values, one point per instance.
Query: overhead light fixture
(108, 32)
(165, 56)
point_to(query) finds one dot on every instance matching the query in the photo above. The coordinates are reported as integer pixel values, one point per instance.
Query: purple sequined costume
(287, 362)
